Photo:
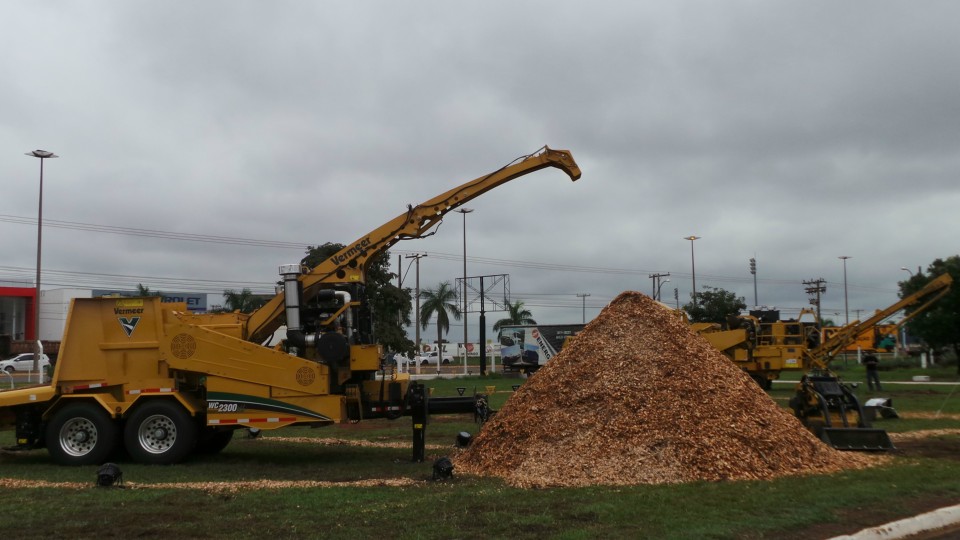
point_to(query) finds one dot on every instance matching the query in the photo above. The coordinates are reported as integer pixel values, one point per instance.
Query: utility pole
(816, 287)
(584, 311)
(417, 257)
(656, 284)
(464, 211)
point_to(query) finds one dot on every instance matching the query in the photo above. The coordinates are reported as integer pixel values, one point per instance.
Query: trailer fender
(120, 409)
(111, 406)
(193, 406)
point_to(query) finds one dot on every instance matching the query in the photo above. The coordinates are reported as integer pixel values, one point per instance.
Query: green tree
(938, 325)
(387, 305)
(244, 301)
(516, 314)
(714, 305)
(439, 302)
(145, 291)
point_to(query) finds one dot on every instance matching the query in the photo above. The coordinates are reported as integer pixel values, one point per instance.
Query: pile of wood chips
(638, 398)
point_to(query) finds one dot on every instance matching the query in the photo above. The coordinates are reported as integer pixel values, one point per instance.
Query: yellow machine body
(165, 382)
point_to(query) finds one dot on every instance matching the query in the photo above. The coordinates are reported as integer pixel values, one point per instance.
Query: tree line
(391, 306)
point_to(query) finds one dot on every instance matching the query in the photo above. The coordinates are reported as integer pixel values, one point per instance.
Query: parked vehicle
(527, 347)
(431, 358)
(23, 362)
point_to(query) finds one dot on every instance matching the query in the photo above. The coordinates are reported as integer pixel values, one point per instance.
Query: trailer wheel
(213, 440)
(81, 434)
(160, 432)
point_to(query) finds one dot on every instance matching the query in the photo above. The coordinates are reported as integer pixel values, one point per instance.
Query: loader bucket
(859, 439)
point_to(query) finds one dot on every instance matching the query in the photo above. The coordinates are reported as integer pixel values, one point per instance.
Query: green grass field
(361, 482)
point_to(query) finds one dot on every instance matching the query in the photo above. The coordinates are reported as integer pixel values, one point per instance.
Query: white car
(23, 362)
(431, 358)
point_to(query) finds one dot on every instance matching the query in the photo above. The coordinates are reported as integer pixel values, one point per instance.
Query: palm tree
(145, 291)
(244, 301)
(441, 300)
(517, 315)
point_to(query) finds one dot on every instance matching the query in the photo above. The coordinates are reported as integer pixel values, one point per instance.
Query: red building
(17, 312)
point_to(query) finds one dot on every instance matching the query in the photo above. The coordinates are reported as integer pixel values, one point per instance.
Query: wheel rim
(157, 434)
(78, 437)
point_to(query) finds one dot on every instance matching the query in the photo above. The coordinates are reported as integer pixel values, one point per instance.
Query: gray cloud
(792, 132)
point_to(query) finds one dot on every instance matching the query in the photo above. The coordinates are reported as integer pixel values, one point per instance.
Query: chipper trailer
(164, 383)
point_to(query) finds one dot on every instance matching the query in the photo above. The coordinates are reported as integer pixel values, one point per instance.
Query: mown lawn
(366, 485)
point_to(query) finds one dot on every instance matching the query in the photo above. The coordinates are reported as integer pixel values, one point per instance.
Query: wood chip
(637, 398)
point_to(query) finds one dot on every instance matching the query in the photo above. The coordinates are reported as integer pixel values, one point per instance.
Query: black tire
(213, 440)
(160, 432)
(81, 434)
(762, 381)
(10, 369)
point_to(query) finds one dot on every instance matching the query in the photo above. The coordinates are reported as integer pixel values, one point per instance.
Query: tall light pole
(583, 314)
(42, 155)
(693, 267)
(753, 270)
(465, 211)
(907, 270)
(846, 305)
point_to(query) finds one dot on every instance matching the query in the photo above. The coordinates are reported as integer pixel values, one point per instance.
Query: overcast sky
(792, 132)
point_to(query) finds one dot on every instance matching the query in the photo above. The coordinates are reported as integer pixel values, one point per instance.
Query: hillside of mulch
(638, 398)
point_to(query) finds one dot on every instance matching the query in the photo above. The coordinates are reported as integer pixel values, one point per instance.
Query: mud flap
(859, 439)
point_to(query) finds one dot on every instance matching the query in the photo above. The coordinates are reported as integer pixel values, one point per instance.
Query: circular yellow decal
(306, 376)
(183, 346)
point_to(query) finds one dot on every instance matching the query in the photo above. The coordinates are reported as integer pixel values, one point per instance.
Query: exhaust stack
(291, 302)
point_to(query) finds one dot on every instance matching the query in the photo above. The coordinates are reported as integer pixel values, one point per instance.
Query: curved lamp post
(693, 266)
(42, 155)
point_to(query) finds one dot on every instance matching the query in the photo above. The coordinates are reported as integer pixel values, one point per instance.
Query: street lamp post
(846, 305)
(655, 293)
(42, 155)
(693, 267)
(660, 286)
(465, 211)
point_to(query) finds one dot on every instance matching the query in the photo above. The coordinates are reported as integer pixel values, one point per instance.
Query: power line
(65, 278)
(624, 271)
(152, 233)
(302, 246)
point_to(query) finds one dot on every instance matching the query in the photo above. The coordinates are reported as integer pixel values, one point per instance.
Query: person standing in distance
(870, 362)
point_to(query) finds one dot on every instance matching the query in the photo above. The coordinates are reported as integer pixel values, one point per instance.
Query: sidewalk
(947, 519)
